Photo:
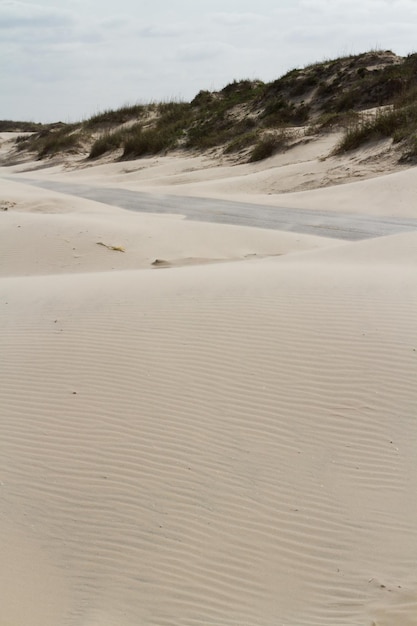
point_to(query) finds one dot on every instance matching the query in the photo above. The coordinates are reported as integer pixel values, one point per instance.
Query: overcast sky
(65, 60)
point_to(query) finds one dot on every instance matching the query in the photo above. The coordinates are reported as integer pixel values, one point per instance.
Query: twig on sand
(116, 248)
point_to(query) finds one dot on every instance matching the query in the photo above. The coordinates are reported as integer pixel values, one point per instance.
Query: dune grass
(279, 111)
(110, 141)
(147, 142)
(268, 145)
(241, 142)
(114, 117)
(217, 130)
(400, 124)
(241, 116)
(58, 142)
(10, 126)
(53, 139)
(159, 127)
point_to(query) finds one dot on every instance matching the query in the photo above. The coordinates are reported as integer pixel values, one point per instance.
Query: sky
(67, 60)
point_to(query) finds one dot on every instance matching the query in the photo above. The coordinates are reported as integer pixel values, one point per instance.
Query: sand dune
(306, 177)
(227, 443)
(46, 232)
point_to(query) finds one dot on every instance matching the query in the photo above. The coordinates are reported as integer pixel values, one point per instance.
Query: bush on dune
(269, 145)
(400, 124)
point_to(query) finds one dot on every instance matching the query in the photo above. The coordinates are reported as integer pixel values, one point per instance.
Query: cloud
(331, 28)
(203, 50)
(19, 15)
(355, 10)
(237, 19)
(115, 22)
(32, 28)
(157, 31)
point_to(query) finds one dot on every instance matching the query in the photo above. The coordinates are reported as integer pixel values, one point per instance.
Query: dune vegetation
(251, 120)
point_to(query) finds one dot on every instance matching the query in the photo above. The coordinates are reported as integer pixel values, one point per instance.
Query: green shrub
(267, 146)
(304, 84)
(355, 136)
(410, 154)
(150, 141)
(107, 143)
(399, 124)
(172, 111)
(241, 142)
(240, 91)
(329, 121)
(279, 112)
(202, 99)
(217, 130)
(174, 117)
(119, 116)
(58, 142)
(20, 127)
(52, 139)
(407, 97)
(327, 89)
(209, 134)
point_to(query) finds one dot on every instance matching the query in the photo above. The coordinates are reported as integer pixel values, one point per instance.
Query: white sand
(228, 443)
(367, 181)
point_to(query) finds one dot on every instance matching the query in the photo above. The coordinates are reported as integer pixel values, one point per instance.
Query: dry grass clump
(173, 114)
(164, 132)
(10, 126)
(400, 124)
(54, 139)
(279, 111)
(138, 140)
(268, 145)
(59, 142)
(108, 142)
(218, 130)
(146, 142)
(114, 117)
(330, 121)
(241, 142)
(214, 121)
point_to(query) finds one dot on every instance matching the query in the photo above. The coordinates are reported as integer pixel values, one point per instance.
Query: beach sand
(225, 437)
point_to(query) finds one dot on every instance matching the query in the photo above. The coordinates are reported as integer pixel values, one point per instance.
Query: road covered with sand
(204, 423)
(321, 223)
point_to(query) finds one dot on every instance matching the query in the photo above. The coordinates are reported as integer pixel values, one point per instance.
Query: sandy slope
(45, 232)
(229, 443)
(368, 181)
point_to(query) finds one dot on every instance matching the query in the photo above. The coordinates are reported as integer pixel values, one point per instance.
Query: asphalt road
(346, 226)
